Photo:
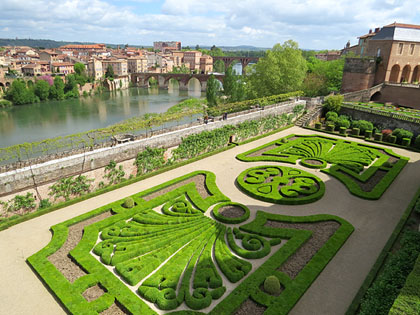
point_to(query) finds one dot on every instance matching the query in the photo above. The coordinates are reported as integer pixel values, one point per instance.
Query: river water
(49, 119)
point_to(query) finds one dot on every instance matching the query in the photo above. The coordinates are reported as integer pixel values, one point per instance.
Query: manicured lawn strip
(70, 294)
(381, 258)
(295, 288)
(408, 301)
(10, 222)
(342, 173)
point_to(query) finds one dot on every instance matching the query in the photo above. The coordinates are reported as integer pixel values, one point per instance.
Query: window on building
(378, 52)
(400, 48)
(412, 49)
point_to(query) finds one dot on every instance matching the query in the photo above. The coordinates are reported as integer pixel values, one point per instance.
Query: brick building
(162, 46)
(387, 54)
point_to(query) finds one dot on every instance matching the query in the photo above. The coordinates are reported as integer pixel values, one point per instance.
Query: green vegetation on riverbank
(89, 138)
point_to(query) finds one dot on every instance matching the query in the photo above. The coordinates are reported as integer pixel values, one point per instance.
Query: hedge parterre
(367, 171)
(165, 251)
(280, 184)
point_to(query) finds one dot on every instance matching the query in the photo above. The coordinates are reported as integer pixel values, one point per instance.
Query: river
(49, 119)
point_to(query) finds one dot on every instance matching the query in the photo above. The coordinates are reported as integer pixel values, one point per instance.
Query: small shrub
(378, 136)
(318, 125)
(386, 133)
(368, 134)
(343, 130)
(333, 103)
(45, 203)
(417, 142)
(406, 142)
(401, 133)
(5, 103)
(128, 203)
(330, 127)
(392, 139)
(284, 140)
(332, 116)
(355, 131)
(272, 285)
(363, 125)
(342, 121)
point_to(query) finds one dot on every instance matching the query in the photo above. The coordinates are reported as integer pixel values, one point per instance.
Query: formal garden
(184, 247)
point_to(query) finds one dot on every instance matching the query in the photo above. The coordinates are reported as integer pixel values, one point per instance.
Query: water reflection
(50, 119)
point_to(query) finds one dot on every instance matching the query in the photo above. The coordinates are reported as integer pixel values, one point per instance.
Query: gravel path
(332, 291)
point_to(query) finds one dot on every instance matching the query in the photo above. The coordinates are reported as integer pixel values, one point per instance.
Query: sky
(314, 24)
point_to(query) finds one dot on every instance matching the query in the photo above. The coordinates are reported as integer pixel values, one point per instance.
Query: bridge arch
(395, 73)
(376, 96)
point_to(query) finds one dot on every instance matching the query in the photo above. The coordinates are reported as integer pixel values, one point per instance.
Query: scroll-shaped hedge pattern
(280, 184)
(165, 251)
(367, 171)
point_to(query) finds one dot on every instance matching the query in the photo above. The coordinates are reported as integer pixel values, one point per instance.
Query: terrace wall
(386, 121)
(23, 179)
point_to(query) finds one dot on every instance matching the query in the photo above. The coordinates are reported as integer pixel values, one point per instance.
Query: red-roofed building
(63, 67)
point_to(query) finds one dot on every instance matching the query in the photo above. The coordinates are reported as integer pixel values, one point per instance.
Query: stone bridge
(142, 79)
(243, 60)
(364, 95)
(6, 82)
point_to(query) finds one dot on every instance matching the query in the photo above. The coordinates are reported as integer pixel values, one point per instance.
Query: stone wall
(48, 172)
(384, 122)
(400, 94)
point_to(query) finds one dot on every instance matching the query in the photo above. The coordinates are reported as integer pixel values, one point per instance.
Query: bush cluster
(245, 105)
(362, 125)
(381, 295)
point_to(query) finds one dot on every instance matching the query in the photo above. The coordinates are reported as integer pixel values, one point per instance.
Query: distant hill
(36, 43)
(47, 43)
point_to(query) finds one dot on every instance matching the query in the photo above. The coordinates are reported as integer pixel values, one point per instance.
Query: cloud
(315, 24)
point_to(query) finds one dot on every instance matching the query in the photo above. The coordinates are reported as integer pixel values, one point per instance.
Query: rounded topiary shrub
(378, 136)
(368, 134)
(401, 133)
(330, 127)
(392, 139)
(318, 125)
(343, 130)
(355, 131)
(406, 142)
(417, 142)
(272, 285)
(128, 202)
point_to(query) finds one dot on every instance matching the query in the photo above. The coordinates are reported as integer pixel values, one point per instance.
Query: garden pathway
(22, 292)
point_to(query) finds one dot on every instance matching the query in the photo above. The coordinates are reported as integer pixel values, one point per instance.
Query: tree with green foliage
(57, 89)
(333, 103)
(42, 89)
(229, 81)
(109, 74)
(282, 70)
(20, 94)
(211, 91)
(79, 68)
(71, 89)
(330, 73)
(80, 73)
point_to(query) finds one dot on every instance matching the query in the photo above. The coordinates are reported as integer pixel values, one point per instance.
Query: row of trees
(284, 68)
(45, 87)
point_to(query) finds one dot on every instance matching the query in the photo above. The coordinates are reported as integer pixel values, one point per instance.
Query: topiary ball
(272, 285)
(128, 202)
